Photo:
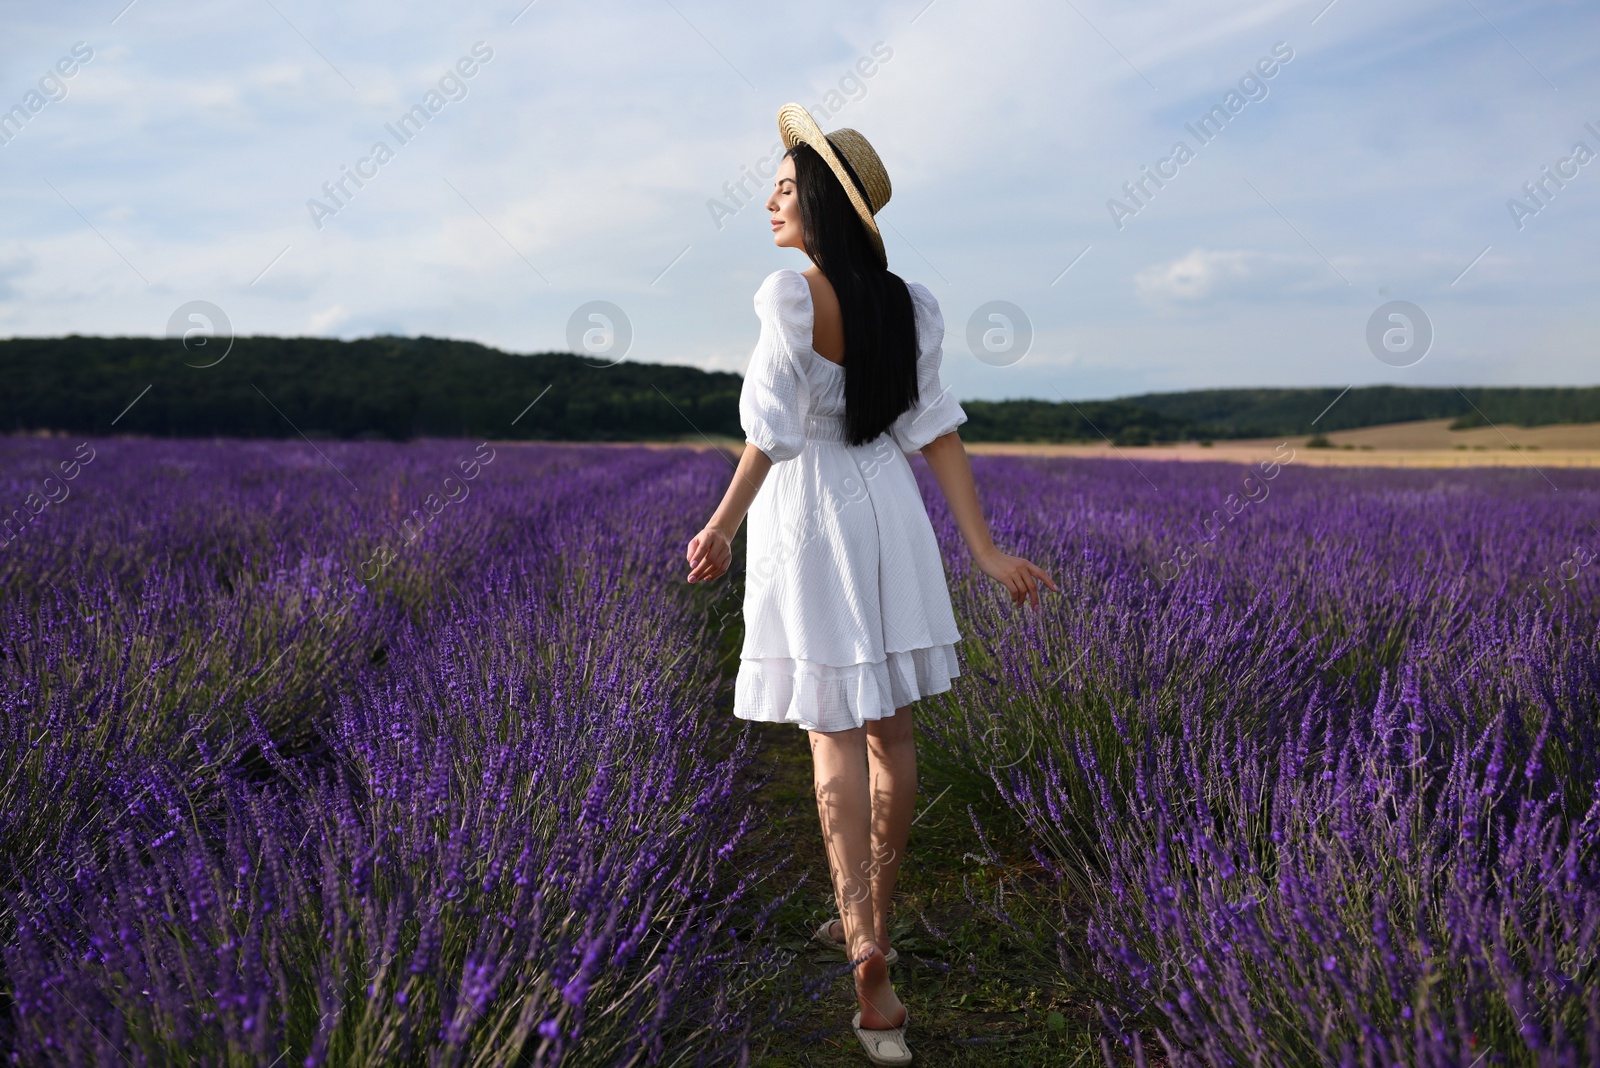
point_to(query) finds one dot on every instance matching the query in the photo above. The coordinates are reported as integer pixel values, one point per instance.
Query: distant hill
(399, 388)
(1256, 413)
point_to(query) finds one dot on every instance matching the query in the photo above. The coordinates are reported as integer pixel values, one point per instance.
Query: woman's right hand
(710, 553)
(1016, 574)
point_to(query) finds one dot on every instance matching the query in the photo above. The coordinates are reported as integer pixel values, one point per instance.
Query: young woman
(847, 612)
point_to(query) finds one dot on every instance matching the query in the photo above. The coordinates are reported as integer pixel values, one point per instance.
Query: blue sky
(581, 158)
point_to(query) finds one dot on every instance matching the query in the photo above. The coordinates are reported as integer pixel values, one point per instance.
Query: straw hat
(796, 125)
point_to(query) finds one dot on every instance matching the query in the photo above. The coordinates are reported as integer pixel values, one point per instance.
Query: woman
(847, 613)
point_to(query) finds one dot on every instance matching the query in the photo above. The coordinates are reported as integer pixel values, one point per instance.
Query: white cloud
(326, 319)
(1203, 274)
(1193, 276)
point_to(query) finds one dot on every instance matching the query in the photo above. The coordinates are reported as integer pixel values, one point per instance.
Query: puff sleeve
(936, 412)
(776, 396)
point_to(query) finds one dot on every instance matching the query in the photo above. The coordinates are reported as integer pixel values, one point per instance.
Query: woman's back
(827, 325)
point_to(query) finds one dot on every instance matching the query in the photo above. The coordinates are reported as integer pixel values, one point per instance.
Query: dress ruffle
(822, 697)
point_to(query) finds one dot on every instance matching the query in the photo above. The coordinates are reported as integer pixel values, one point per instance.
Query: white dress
(846, 609)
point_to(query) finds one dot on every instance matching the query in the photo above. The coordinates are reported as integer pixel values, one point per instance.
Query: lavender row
(371, 753)
(1313, 754)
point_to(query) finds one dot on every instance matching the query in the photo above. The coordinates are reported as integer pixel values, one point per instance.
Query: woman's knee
(890, 733)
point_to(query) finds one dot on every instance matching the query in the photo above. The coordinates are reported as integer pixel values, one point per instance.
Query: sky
(1358, 154)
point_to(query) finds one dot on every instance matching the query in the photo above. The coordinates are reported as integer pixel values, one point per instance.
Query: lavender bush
(1320, 779)
(398, 755)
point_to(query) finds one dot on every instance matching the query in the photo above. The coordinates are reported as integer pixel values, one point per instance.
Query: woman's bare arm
(711, 551)
(948, 458)
(951, 467)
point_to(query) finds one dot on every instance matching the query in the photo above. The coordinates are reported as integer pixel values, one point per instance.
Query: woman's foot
(836, 935)
(881, 1009)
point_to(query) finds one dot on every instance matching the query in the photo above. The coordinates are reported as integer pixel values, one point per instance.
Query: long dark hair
(880, 328)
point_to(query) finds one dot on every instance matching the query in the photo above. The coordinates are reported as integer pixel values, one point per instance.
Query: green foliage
(1251, 413)
(383, 387)
(1037, 420)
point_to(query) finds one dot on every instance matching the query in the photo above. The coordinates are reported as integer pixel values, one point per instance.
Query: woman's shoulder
(782, 282)
(925, 308)
(784, 292)
(921, 295)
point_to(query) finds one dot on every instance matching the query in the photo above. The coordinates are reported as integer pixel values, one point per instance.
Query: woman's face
(784, 204)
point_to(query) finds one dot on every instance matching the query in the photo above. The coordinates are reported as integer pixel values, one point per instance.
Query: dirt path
(972, 996)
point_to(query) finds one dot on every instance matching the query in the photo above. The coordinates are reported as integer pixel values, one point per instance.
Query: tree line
(397, 388)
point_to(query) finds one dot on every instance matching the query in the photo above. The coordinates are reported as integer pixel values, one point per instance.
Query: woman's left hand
(710, 553)
(1020, 577)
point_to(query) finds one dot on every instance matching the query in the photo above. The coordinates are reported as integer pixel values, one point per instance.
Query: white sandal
(886, 1046)
(821, 935)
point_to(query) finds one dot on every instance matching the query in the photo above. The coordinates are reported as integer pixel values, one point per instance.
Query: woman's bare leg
(892, 765)
(844, 806)
(892, 772)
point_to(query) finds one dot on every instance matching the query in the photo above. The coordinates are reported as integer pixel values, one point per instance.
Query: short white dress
(846, 608)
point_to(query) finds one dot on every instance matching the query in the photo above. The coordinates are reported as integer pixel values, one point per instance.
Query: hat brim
(796, 125)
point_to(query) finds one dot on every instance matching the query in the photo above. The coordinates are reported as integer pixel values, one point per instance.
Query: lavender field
(422, 754)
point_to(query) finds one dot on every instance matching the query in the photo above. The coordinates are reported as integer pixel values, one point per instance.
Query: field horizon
(1426, 443)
